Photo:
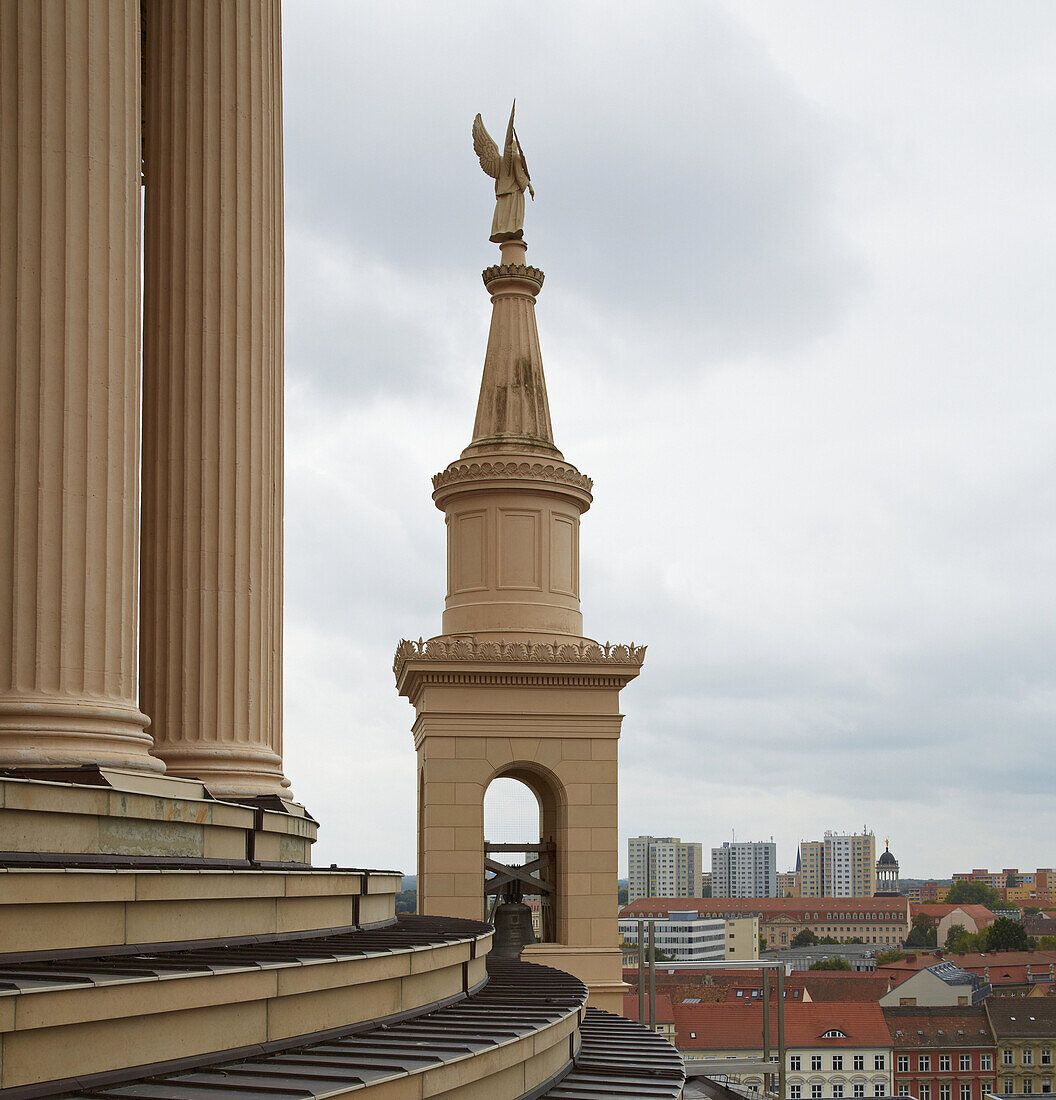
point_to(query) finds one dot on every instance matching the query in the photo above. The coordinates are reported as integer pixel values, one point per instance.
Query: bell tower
(512, 688)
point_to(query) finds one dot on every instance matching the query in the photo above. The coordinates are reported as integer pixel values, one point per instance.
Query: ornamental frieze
(535, 471)
(469, 649)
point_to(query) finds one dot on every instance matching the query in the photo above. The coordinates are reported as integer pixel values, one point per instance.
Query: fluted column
(211, 662)
(69, 383)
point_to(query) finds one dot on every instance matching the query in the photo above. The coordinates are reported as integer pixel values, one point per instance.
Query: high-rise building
(787, 884)
(843, 865)
(663, 867)
(744, 869)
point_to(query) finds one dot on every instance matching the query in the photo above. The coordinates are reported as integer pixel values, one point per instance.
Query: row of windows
(1027, 1085)
(1008, 1056)
(795, 1092)
(945, 1062)
(795, 1062)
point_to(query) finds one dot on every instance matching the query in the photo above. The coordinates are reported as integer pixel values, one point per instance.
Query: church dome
(887, 858)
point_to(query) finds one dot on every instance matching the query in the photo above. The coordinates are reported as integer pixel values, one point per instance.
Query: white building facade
(745, 869)
(683, 936)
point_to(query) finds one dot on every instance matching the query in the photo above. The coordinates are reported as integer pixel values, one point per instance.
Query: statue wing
(486, 149)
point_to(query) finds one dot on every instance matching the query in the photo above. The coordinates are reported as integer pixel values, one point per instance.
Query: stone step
(48, 910)
(101, 1014)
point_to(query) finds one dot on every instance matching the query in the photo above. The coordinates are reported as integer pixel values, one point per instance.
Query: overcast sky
(798, 325)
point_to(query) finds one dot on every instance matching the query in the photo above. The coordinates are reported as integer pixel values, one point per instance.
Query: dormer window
(834, 1033)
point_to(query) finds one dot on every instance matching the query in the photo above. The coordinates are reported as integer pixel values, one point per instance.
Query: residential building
(840, 1050)
(843, 865)
(942, 1053)
(1025, 1036)
(972, 918)
(787, 884)
(1009, 973)
(940, 985)
(1013, 885)
(872, 920)
(744, 869)
(662, 866)
(742, 938)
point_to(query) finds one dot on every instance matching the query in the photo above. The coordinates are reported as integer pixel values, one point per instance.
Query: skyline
(795, 327)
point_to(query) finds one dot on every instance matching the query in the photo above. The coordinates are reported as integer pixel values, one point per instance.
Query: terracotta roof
(1012, 1017)
(739, 1026)
(933, 1028)
(769, 907)
(838, 985)
(979, 913)
(664, 1011)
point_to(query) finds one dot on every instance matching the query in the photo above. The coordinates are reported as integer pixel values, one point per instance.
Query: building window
(903, 1090)
(944, 1063)
(986, 1061)
(924, 1092)
(859, 1061)
(859, 1090)
(879, 1061)
(1046, 1056)
(1028, 1085)
(794, 1062)
(924, 1063)
(815, 1092)
(966, 1092)
(879, 1090)
(1006, 1057)
(795, 1092)
(966, 1062)
(1010, 1084)
(837, 1092)
(837, 1061)
(903, 1063)
(944, 1092)
(1028, 1057)
(815, 1061)
(1046, 1085)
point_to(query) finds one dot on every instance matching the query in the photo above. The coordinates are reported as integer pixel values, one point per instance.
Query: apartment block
(747, 869)
(1015, 885)
(843, 865)
(663, 867)
(788, 884)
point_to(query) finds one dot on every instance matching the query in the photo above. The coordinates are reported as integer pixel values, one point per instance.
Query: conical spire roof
(513, 413)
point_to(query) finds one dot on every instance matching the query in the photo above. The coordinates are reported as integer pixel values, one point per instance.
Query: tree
(1047, 943)
(836, 963)
(828, 941)
(1006, 934)
(965, 943)
(956, 932)
(706, 891)
(762, 943)
(621, 896)
(973, 893)
(924, 932)
(894, 955)
(804, 938)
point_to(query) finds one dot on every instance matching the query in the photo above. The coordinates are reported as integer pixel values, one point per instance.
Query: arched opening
(523, 805)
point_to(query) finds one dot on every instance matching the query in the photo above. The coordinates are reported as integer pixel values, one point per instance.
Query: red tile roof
(836, 985)
(664, 1011)
(768, 908)
(739, 1026)
(979, 913)
(936, 1028)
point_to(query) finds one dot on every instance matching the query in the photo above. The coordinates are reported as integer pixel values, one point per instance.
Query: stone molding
(535, 471)
(470, 649)
(514, 271)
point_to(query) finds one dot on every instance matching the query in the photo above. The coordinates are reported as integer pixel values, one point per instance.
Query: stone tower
(512, 688)
(887, 875)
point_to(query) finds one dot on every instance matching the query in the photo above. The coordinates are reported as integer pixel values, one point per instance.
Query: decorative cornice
(553, 653)
(514, 271)
(535, 471)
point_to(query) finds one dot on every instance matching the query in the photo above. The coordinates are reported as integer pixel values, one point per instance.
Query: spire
(513, 414)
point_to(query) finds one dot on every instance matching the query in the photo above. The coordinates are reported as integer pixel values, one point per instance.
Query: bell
(513, 929)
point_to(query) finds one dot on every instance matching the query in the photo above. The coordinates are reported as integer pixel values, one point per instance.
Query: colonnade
(184, 98)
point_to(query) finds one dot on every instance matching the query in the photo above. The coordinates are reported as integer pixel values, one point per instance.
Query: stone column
(69, 383)
(211, 662)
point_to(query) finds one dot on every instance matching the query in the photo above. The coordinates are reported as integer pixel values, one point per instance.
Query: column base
(229, 771)
(68, 732)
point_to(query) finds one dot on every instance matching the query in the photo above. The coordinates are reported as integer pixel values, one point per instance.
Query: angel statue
(511, 178)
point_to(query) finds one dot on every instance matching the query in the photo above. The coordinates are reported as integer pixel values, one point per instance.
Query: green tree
(828, 941)
(406, 901)
(836, 963)
(894, 955)
(973, 893)
(762, 943)
(924, 932)
(1006, 934)
(621, 896)
(1047, 943)
(956, 932)
(804, 938)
